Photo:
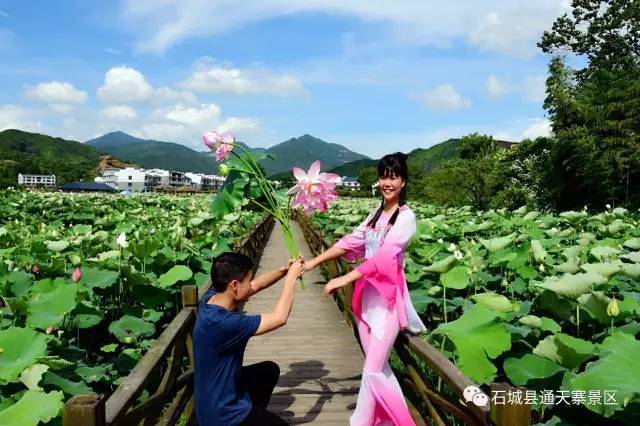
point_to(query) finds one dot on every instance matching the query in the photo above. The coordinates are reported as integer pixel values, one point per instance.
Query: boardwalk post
(509, 414)
(189, 296)
(190, 300)
(85, 410)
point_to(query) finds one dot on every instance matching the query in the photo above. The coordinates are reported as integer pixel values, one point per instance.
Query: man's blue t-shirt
(219, 340)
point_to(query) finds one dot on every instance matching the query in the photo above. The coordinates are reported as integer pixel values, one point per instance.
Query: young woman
(381, 300)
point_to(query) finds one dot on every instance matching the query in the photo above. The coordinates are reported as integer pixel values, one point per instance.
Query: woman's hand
(335, 284)
(310, 264)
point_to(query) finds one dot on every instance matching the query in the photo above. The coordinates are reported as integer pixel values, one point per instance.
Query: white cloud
(123, 85)
(540, 128)
(119, 113)
(186, 124)
(56, 92)
(532, 88)
(112, 51)
(210, 77)
(17, 117)
(62, 108)
(508, 26)
(496, 87)
(201, 116)
(444, 98)
(238, 125)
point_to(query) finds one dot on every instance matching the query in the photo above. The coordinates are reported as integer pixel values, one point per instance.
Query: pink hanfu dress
(383, 308)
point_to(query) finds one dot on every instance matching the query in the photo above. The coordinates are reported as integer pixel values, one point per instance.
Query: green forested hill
(306, 149)
(24, 152)
(155, 154)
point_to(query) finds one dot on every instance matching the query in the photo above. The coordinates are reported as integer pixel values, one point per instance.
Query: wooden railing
(170, 357)
(413, 350)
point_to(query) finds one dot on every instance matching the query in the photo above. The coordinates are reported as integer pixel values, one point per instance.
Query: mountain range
(299, 151)
(24, 152)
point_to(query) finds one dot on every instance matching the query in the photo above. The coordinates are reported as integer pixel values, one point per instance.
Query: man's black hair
(227, 267)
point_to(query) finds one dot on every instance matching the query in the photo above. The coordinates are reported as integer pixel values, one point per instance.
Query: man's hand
(296, 268)
(283, 269)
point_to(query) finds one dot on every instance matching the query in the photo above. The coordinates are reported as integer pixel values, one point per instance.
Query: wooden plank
(320, 361)
(128, 391)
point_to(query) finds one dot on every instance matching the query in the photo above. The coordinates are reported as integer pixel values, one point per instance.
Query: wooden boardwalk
(319, 358)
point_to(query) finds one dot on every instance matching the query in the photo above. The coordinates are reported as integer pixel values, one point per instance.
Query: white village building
(202, 182)
(127, 179)
(138, 180)
(48, 181)
(349, 182)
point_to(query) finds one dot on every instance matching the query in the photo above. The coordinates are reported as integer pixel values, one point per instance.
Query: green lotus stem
(444, 302)
(578, 321)
(444, 339)
(257, 173)
(268, 190)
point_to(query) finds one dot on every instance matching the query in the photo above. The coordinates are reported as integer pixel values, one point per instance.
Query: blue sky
(373, 75)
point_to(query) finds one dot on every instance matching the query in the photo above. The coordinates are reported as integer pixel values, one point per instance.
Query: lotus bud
(452, 247)
(50, 329)
(60, 333)
(440, 240)
(77, 275)
(541, 267)
(122, 240)
(224, 169)
(458, 255)
(1, 350)
(128, 339)
(35, 269)
(613, 309)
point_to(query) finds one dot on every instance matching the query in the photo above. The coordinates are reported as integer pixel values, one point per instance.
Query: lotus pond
(546, 301)
(87, 282)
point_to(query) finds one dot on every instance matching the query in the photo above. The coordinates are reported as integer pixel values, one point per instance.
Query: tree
(606, 32)
(476, 145)
(595, 110)
(560, 101)
(367, 177)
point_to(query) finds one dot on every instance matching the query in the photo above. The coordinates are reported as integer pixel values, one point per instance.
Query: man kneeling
(226, 393)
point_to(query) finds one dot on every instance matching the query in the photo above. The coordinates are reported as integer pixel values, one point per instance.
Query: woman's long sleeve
(384, 261)
(354, 243)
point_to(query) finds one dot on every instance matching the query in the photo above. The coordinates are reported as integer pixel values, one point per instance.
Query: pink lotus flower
(314, 190)
(221, 142)
(77, 275)
(35, 269)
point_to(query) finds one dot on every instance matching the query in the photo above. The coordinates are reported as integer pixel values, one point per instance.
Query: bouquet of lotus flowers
(245, 180)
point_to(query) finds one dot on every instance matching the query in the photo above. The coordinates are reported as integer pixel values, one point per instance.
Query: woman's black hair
(392, 165)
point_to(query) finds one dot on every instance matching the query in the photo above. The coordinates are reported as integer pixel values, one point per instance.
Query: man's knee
(272, 371)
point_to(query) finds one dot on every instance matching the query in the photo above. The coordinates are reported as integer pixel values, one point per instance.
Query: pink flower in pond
(77, 275)
(35, 269)
(221, 142)
(314, 190)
